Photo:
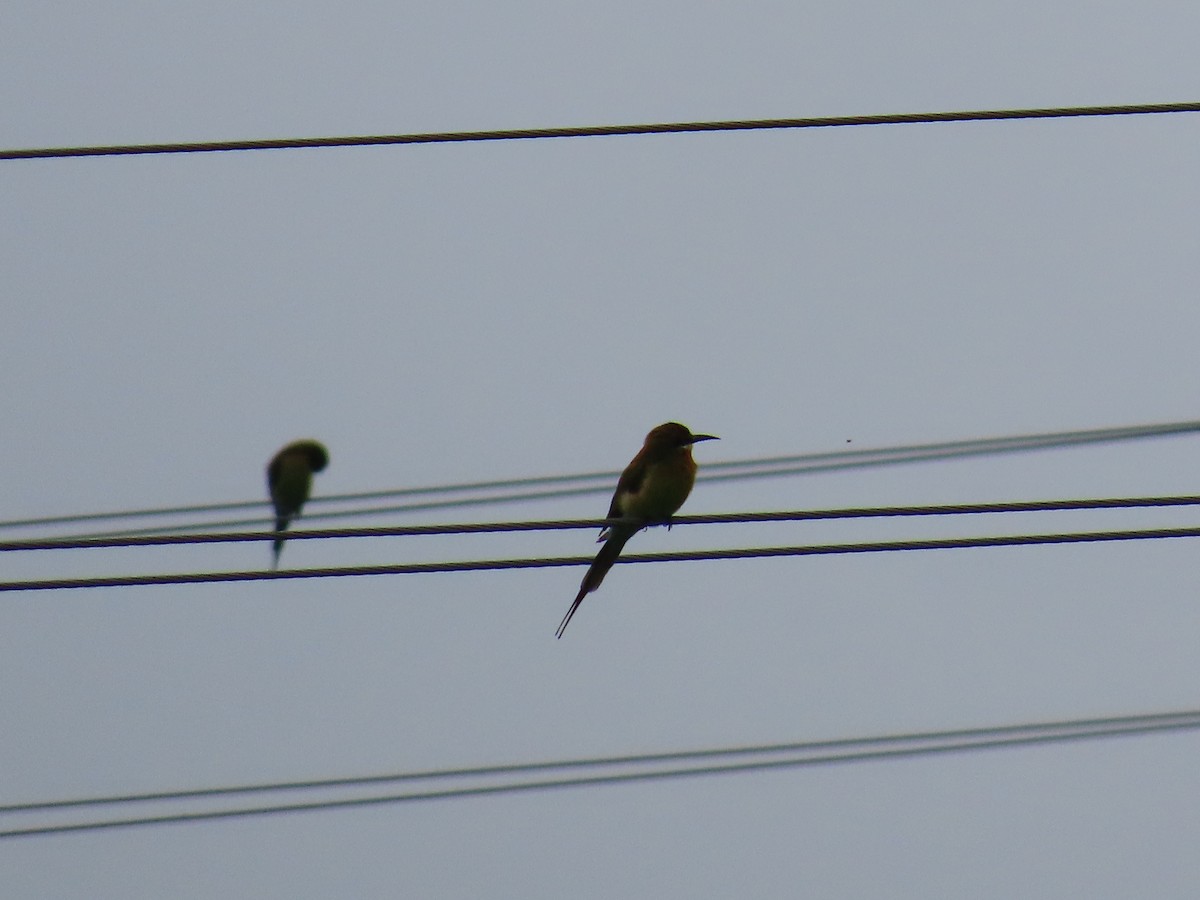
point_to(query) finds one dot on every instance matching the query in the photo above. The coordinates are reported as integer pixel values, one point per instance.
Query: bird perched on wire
(649, 491)
(289, 480)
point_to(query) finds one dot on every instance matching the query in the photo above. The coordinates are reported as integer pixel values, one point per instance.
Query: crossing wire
(513, 134)
(763, 759)
(865, 512)
(599, 762)
(1017, 540)
(602, 481)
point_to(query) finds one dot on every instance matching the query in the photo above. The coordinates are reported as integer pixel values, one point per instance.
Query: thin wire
(1017, 540)
(513, 134)
(601, 482)
(601, 762)
(870, 749)
(150, 512)
(397, 509)
(801, 515)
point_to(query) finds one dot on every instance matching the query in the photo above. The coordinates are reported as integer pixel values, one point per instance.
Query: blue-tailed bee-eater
(649, 491)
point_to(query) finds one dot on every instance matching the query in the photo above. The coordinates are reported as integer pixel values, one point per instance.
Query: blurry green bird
(289, 480)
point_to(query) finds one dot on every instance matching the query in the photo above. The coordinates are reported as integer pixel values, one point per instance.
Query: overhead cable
(1016, 540)
(514, 134)
(618, 770)
(539, 487)
(598, 762)
(801, 515)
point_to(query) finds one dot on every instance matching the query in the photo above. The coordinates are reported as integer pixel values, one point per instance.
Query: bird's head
(671, 435)
(314, 453)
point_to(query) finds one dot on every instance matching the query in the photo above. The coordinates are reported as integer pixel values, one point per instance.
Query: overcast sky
(454, 313)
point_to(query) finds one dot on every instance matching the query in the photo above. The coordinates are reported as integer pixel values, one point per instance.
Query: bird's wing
(274, 471)
(630, 482)
(614, 508)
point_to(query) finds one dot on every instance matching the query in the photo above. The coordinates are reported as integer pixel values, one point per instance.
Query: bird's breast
(662, 491)
(292, 487)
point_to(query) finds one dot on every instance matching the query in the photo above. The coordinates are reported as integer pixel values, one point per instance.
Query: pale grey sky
(457, 313)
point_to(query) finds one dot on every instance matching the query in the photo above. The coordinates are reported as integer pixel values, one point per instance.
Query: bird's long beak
(696, 438)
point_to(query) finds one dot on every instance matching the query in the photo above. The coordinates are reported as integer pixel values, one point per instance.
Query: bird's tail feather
(599, 568)
(281, 522)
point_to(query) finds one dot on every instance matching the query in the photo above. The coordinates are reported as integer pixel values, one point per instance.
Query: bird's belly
(292, 489)
(660, 498)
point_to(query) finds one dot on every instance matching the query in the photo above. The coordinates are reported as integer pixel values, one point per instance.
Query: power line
(513, 134)
(600, 762)
(864, 512)
(853, 459)
(601, 482)
(1017, 540)
(151, 512)
(398, 509)
(714, 762)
